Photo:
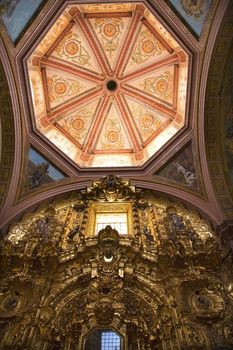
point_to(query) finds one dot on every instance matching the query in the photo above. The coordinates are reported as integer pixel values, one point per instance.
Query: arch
(214, 104)
(10, 129)
(190, 199)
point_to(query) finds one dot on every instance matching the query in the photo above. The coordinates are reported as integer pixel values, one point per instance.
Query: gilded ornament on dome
(59, 88)
(53, 33)
(112, 136)
(78, 123)
(108, 30)
(146, 46)
(147, 120)
(108, 7)
(72, 49)
(161, 86)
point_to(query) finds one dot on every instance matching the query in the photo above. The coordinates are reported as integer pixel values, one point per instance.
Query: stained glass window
(118, 221)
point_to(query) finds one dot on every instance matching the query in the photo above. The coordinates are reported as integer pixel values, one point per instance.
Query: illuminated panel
(110, 341)
(118, 221)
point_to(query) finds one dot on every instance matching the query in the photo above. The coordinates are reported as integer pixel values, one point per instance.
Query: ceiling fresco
(194, 13)
(38, 171)
(108, 85)
(181, 169)
(16, 14)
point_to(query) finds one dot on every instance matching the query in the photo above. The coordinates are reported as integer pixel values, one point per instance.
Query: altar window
(118, 221)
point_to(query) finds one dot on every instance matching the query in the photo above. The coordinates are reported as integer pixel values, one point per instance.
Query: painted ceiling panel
(75, 49)
(113, 135)
(110, 33)
(107, 7)
(63, 86)
(39, 171)
(63, 143)
(77, 122)
(146, 50)
(37, 91)
(159, 84)
(53, 34)
(161, 30)
(148, 120)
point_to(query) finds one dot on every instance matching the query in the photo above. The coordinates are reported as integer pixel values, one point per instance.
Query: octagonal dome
(108, 84)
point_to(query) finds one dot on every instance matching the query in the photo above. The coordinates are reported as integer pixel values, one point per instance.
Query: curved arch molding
(35, 200)
(216, 97)
(7, 127)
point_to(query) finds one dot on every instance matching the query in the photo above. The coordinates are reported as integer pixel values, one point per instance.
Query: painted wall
(16, 14)
(39, 171)
(181, 169)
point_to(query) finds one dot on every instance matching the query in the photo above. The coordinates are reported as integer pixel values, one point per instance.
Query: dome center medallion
(111, 85)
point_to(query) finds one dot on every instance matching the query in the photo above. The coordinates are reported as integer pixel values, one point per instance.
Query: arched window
(117, 215)
(118, 221)
(103, 339)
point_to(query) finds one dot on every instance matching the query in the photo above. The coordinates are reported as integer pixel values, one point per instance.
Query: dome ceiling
(108, 84)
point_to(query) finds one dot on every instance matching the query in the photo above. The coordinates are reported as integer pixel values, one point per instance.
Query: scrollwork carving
(157, 285)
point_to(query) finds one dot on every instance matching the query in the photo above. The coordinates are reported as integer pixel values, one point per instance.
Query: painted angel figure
(38, 174)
